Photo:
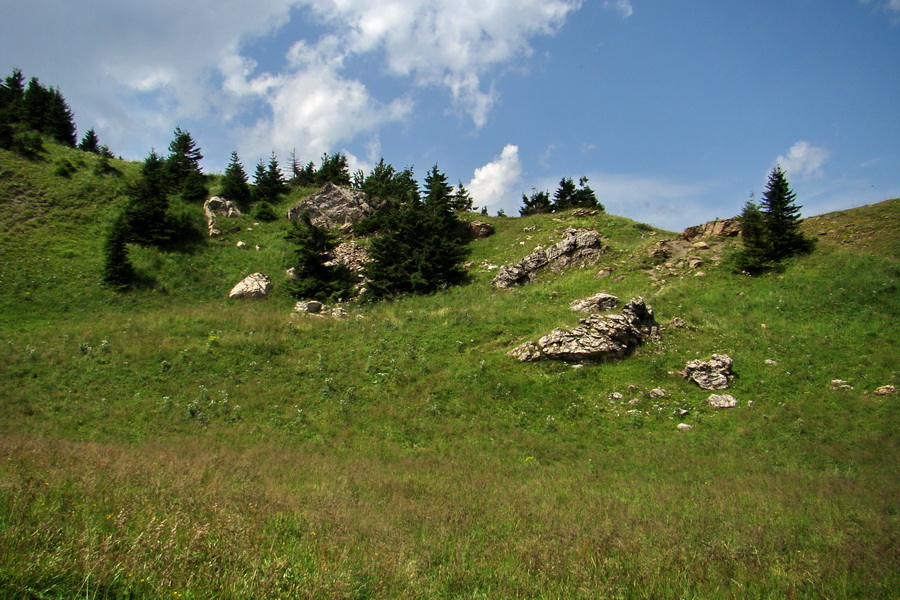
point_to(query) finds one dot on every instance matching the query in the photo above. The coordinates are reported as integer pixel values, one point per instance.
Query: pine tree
(334, 169)
(269, 181)
(755, 257)
(147, 211)
(90, 142)
(782, 218)
(60, 122)
(422, 246)
(313, 278)
(183, 165)
(538, 203)
(234, 182)
(563, 198)
(118, 271)
(462, 200)
(584, 196)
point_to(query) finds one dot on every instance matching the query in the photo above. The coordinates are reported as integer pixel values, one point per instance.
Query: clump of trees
(567, 196)
(33, 108)
(315, 277)
(771, 229)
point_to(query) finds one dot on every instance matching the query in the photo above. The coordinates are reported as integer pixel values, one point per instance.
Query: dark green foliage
(304, 176)
(265, 212)
(421, 249)
(461, 199)
(234, 182)
(568, 196)
(313, 279)
(771, 230)
(118, 271)
(35, 108)
(182, 167)
(538, 203)
(90, 142)
(269, 181)
(146, 211)
(334, 169)
(387, 189)
(782, 218)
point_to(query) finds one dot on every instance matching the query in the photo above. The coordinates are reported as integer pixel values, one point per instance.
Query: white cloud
(623, 7)
(804, 160)
(496, 183)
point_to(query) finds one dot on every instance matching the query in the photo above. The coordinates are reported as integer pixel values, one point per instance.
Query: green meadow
(169, 442)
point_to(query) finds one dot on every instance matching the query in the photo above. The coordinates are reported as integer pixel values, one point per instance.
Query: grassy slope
(173, 443)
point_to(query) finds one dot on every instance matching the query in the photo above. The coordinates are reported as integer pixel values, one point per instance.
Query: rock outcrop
(333, 206)
(580, 246)
(717, 228)
(217, 207)
(714, 374)
(722, 401)
(477, 229)
(597, 338)
(252, 286)
(595, 304)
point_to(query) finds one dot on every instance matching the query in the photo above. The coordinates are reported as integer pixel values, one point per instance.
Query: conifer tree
(782, 217)
(269, 181)
(756, 254)
(183, 166)
(90, 142)
(462, 200)
(313, 278)
(334, 169)
(563, 198)
(147, 211)
(538, 203)
(118, 271)
(234, 182)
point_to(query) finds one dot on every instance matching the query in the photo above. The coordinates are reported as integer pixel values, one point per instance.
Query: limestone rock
(717, 228)
(885, 390)
(582, 246)
(252, 286)
(657, 393)
(309, 306)
(333, 206)
(478, 229)
(839, 384)
(598, 337)
(714, 374)
(594, 304)
(722, 401)
(217, 207)
(684, 427)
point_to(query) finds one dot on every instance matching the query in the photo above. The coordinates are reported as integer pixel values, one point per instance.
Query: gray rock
(595, 304)
(717, 228)
(309, 306)
(478, 229)
(714, 374)
(885, 390)
(684, 427)
(217, 207)
(582, 246)
(657, 393)
(597, 338)
(332, 206)
(722, 401)
(252, 286)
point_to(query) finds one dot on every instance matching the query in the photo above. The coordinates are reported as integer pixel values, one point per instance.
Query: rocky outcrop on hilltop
(579, 246)
(717, 228)
(333, 206)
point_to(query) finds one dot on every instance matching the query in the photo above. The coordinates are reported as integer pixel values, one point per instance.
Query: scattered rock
(616, 396)
(605, 272)
(694, 262)
(312, 307)
(683, 412)
(595, 304)
(714, 374)
(241, 244)
(885, 390)
(582, 246)
(677, 323)
(217, 207)
(699, 274)
(657, 393)
(597, 338)
(585, 212)
(771, 362)
(722, 401)
(333, 206)
(839, 384)
(252, 286)
(351, 255)
(661, 250)
(751, 403)
(701, 245)
(684, 427)
(478, 229)
(717, 228)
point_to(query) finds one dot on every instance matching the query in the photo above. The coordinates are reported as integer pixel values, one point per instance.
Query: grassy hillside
(172, 443)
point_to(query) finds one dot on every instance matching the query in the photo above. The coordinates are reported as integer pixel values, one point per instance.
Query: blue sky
(675, 111)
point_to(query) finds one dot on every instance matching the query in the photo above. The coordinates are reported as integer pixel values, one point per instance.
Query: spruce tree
(782, 218)
(564, 196)
(183, 165)
(269, 181)
(234, 182)
(755, 256)
(118, 271)
(146, 215)
(585, 197)
(334, 169)
(538, 203)
(90, 142)
(313, 278)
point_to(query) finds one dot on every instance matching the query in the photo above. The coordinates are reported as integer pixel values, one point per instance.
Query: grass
(172, 443)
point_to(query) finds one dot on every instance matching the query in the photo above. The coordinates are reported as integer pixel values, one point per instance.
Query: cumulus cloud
(623, 7)
(496, 183)
(804, 160)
